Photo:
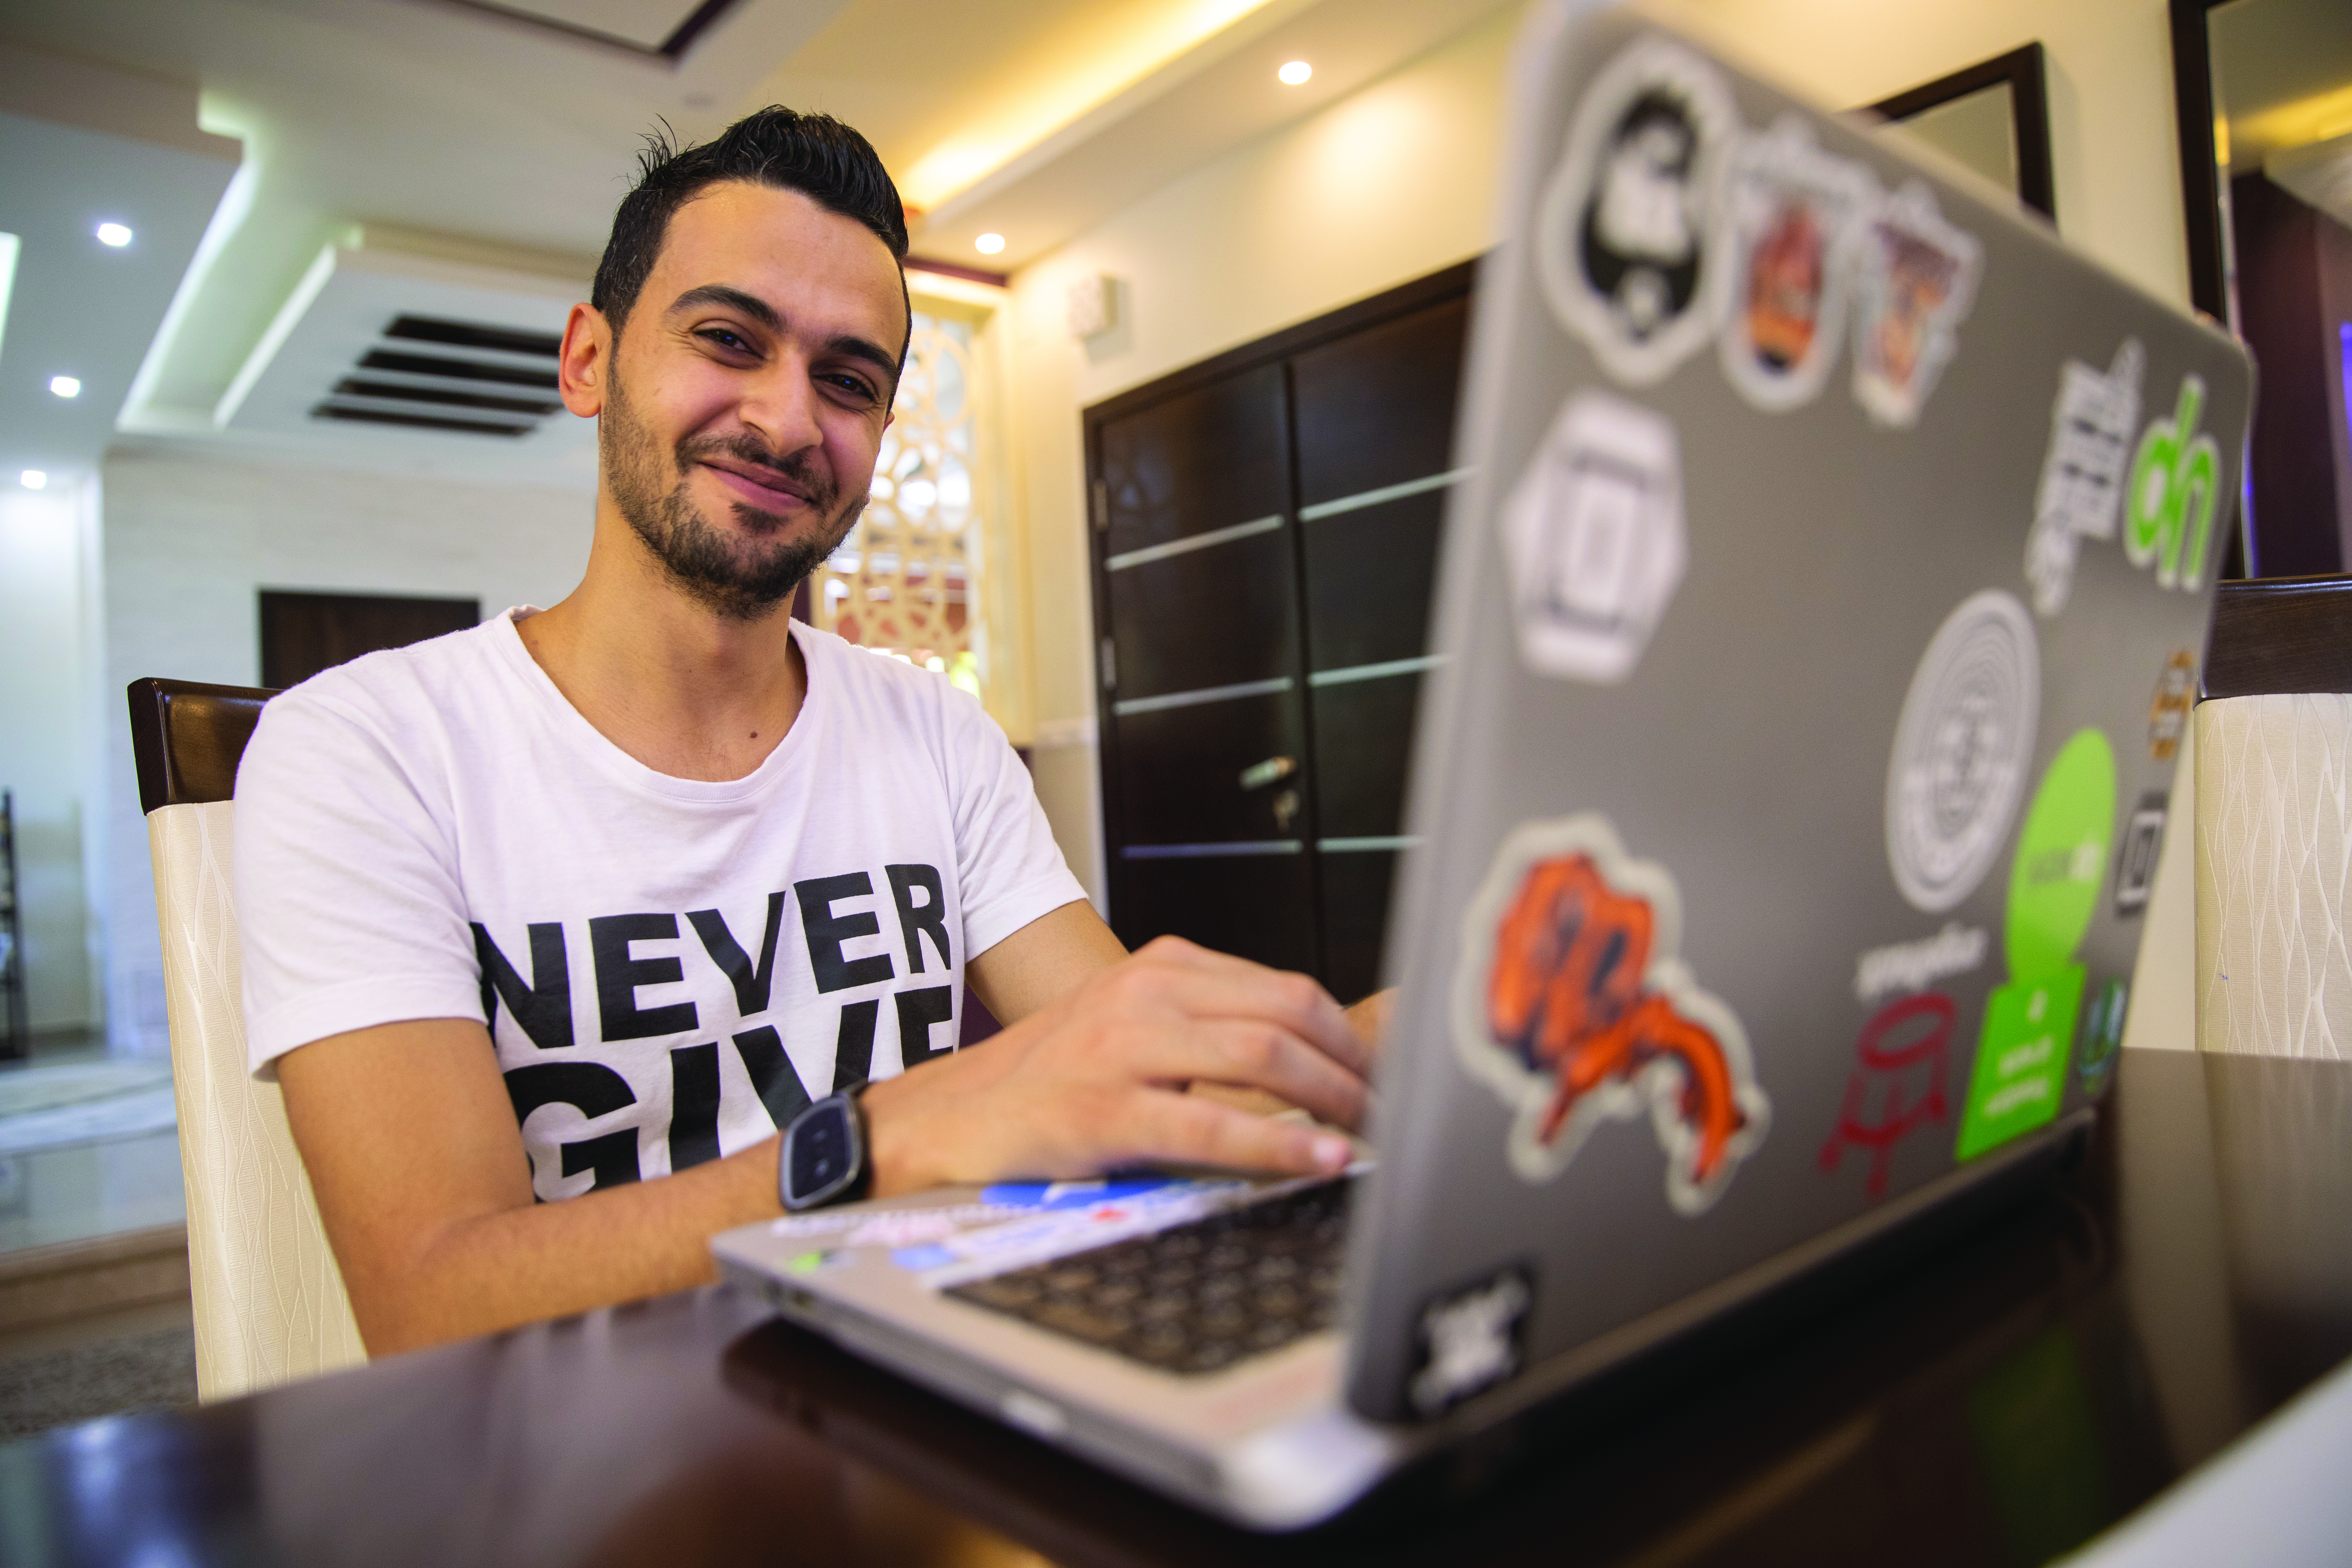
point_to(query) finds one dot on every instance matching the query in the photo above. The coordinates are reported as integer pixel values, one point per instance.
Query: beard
(743, 575)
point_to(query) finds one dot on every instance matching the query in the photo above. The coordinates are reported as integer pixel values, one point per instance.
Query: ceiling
(501, 132)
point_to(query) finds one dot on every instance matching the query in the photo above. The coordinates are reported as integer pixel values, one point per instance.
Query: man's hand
(1097, 1079)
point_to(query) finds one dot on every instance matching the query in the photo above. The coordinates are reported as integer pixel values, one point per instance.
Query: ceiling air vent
(466, 377)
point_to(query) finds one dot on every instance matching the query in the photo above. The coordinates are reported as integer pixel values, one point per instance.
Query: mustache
(746, 449)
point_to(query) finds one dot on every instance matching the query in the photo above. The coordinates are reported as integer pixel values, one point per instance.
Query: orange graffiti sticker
(1573, 1003)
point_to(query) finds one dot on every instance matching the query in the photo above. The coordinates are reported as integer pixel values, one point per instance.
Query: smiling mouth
(762, 488)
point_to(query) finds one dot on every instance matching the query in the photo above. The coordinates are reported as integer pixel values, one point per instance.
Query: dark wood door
(1197, 595)
(1374, 416)
(302, 634)
(1265, 539)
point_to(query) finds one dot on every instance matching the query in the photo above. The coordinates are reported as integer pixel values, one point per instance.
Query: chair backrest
(2273, 757)
(269, 1301)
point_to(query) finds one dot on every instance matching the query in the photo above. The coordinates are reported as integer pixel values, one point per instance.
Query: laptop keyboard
(1193, 1297)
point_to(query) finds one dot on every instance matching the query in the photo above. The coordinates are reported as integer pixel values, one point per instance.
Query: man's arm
(425, 1186)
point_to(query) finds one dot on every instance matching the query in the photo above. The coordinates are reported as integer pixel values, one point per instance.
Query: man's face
(742, 409)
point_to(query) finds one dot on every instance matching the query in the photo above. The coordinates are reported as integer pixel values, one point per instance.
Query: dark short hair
(814, 155)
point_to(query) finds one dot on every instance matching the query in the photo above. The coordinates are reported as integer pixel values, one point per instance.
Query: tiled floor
(83, 1189)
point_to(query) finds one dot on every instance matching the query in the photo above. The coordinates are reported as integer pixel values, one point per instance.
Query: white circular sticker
(1625, 229)
(1962, 750)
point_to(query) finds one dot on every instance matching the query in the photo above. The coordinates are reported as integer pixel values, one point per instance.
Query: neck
(683, 689)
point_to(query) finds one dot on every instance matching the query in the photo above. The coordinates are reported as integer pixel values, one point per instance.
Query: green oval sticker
(2061, 858)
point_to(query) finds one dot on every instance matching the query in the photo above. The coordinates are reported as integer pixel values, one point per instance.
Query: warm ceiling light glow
(32, 479)
(113, 233)
(65, 386)
(1295, 73)
(989, 244)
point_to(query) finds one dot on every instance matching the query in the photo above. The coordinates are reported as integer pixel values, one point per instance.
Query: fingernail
(1332, 1152)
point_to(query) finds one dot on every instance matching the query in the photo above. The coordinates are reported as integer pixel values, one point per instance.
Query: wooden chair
(269, 1301)
(2274, 744)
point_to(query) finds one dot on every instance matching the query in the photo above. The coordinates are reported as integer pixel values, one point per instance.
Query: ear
(585, 361)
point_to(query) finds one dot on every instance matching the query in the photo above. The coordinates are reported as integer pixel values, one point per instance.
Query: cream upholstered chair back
(269, 1301)
(2273, 758)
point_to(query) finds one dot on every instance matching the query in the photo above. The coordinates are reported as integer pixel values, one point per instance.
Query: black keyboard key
(1196, 1298)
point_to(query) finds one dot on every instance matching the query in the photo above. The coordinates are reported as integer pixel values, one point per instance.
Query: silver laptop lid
(1821, 619)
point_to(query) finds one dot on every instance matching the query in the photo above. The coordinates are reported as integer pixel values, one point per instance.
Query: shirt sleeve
(347, 895)
(1010, 868)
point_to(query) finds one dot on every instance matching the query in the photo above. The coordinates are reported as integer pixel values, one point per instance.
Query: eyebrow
(760, 310)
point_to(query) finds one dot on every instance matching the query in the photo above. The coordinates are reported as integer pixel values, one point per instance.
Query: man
(612, 890)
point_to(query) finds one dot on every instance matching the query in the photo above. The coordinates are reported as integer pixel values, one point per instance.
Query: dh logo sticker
(2176, 482)
(1573, 1004)
(1622, 232)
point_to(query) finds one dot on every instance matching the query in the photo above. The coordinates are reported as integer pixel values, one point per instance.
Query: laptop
(1820, 621)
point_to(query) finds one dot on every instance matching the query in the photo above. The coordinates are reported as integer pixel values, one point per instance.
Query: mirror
(2265, 91)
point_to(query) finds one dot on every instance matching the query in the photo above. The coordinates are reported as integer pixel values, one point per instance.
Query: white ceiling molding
(1190, 113)
(400, 351)
(81, 146)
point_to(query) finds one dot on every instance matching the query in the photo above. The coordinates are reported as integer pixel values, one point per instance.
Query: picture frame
(1957, 112)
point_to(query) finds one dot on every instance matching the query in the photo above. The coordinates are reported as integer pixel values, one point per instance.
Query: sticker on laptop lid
(1594, 537)
(2135, 860)
(2169, 710)
(1470, 1338)
(2102, 1036)
(1901, 1062)
(1918, 277)
(1795, 222)
(1962, 750)
(2175, 488)
(1572, 1003)
(1916, 965)
(1624, 230)
(2082, 487)
(2055, 881)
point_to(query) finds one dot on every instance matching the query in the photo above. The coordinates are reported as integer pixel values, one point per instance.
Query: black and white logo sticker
(1624, 231)
(1470, 1339)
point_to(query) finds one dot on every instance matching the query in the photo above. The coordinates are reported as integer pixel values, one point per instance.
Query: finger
(1290, 1001)
(1180, 1128)
(1255, 1055)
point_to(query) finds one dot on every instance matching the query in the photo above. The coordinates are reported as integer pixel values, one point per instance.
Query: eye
(852, 386)
(724, 338)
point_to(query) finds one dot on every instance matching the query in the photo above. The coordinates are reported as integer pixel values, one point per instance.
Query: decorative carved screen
(904, 582)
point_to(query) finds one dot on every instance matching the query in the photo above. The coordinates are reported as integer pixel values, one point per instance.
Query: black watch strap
(823, 1157)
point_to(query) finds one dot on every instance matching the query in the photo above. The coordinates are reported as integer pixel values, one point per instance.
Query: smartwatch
(823, 1157)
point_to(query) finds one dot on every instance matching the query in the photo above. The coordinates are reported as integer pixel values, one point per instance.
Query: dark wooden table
(1997, 1400)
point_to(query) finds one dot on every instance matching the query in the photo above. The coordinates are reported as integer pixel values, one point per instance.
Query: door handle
(1257, 776)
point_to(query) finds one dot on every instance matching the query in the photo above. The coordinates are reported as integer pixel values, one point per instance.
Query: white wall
(189, 541)
(1398, 180)
(43, 721)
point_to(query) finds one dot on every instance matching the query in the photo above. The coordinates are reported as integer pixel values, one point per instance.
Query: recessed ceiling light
(113, 233)
(1295, 73)
(989, 244)
(32, 479)
(65, 386)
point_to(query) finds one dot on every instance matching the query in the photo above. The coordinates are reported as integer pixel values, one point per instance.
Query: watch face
(821, 1151)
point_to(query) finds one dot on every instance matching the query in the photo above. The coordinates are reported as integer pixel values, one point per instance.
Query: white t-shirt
(670, 969)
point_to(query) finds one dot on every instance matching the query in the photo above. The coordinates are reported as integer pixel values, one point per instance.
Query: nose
(781, 408)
